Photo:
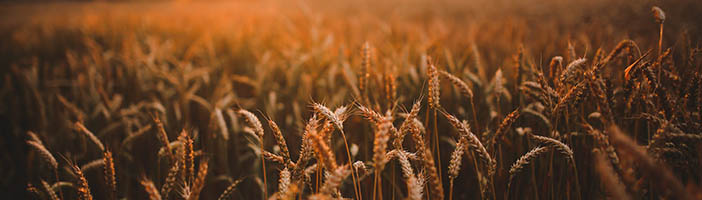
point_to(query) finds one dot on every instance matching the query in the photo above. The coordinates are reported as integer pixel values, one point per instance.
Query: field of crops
(351, 100)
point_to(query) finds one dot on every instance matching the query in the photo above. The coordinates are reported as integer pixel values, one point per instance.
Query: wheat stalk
(150, 188)
(437, 190)
(129, 139)
(406, 124)
(226, 194)
(253, 122)
(341, 114)
(322, 151)
(464, 88)
(473, 141)
(365, 72)
(571, 70)
(44, 153)
(564, 149)
(607, 175)
(409, 119)
(80, 115)
(83, 188)
(415, 188)
(621, 46)
(334, 178)
(306, 149)
(370, 115)
(281, 141)
(199, 181)
(284, 182)
(555, 66)
(390, 88)
(92, 165)
(434, 85)
(574, 96)
(177, 145)
(415, 185)
(90, 135)
(34, 137)
(539, 92)
(498, 83)
(560, 146)
(109, 172)
(221, 123)
(659, 15)
(455, 163)
(655, 170)
(505, 125)
(188, 157)
(171, 180)
(457, 82)
(524, 161)
(456, 158)
(163, 138)
(327, 113)
(50, 192)
(382, 135)
(275, 158)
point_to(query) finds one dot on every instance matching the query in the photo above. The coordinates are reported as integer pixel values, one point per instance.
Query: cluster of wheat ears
(623, 123)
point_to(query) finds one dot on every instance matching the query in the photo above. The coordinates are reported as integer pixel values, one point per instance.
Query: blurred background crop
(116, 66)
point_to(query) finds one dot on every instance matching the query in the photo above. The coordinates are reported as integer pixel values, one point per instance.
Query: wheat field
(359, 100)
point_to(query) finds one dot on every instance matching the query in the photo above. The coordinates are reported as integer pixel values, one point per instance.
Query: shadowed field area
(351, 99)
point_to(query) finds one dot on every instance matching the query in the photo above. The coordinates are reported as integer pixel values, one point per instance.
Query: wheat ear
(609, 177)
(437, 190)
(44, 153)
(199, 181)
(150, 189)
(524, 161)
(650, 166)
(52, 195)
(171, 179)
(90, 135)
(226, 194)
(280, 140)
(83, 188)
(109, 172)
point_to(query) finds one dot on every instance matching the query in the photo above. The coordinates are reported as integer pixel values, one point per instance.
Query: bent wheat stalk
(609, 177)
(253, 121)
(522, 162)
(648, 164)
(90, 135)
(564, 149)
